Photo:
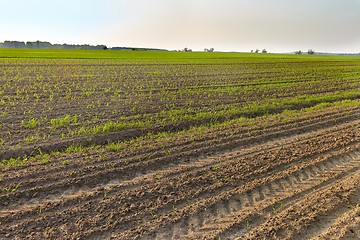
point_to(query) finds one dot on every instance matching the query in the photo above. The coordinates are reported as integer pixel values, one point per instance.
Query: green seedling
(104, 194)
(275, 210)
(65, 162)
(12, 190)
(40, 211)
(215, 168)
(247, 224)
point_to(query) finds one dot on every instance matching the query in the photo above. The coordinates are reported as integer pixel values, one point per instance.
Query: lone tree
(264, 51)
(257, 51)
(298, 52)
(209, 50)
(311, 51)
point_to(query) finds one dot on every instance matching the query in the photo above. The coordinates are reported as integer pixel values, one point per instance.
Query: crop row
(164, 143)
(153, 194)
(45, 101)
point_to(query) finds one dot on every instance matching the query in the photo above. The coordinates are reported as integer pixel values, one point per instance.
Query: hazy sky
(227, 25)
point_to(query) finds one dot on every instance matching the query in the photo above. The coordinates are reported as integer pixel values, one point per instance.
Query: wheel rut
(238, 213)
(73, 194)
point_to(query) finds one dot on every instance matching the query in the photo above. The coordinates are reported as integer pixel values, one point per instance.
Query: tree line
(48, 45)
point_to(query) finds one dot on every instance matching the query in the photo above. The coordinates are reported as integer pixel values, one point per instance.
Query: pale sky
(226, 25)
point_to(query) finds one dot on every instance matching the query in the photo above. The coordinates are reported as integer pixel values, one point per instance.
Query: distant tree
(105, 47)
(257, 51)
(187, 50)
(29, 45)
(311, 51)
(298, 52)
(264, 51)
(14, 44)
(205, 49)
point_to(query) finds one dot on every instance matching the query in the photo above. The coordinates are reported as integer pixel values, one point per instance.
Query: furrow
(259, 195)
(326, 209)
(343, 226)
(220, 223)
(214, 213)
(58, 173)
(63, 184)
(323, 180)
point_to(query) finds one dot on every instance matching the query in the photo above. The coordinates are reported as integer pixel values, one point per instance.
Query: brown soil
(299, 181)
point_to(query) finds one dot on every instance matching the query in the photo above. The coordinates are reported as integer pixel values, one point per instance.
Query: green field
(175, 145)
(135, 55)
(54, 99)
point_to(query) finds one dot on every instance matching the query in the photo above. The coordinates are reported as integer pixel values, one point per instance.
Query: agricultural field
(173, 145)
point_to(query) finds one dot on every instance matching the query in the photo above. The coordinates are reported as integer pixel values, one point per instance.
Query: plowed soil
(297, 181)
